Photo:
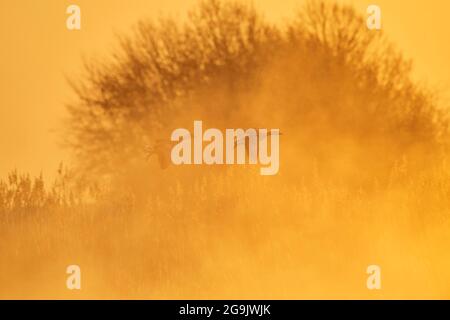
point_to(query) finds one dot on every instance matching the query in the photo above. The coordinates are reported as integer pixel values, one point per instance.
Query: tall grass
(244, 238)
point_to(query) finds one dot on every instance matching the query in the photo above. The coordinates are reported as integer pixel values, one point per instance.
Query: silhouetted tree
(326, 80)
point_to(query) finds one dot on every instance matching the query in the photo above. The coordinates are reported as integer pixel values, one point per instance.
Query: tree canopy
(335, 87)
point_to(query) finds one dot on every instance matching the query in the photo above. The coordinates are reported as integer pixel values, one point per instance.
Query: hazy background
(364, 176)
(38, 51)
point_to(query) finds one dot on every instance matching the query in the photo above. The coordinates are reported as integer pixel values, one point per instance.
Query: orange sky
(37, 51)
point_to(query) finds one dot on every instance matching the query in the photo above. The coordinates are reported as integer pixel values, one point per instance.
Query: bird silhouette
(256, 135)
(161, 149)
(258, 139)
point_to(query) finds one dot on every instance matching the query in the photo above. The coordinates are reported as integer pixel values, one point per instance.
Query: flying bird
(257, 137)
(161, 149)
